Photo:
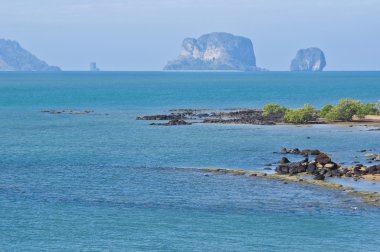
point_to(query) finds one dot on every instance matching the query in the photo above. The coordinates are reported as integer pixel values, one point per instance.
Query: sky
(144, 34)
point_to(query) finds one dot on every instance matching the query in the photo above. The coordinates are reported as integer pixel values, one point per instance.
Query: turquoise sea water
(105, 181)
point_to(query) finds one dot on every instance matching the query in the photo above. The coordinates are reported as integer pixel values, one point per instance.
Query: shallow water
(105, 181)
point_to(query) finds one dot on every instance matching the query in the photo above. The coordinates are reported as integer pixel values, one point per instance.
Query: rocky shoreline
(372, 198)
(231, 116)
(314, 171)
(322, 166)
(242, 116)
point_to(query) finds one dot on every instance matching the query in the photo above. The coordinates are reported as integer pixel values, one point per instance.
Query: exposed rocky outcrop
(15, 58)
(215, 51)
(322, 166)
(67, 112)
(309, 60)
(248, 116)
(172, 123)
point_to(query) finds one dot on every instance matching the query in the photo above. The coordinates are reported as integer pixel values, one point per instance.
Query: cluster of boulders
(321, 166)
(172, 123)
(239, 116)
(373, 157)
(67, 111)
(297, 151)
(162, 117)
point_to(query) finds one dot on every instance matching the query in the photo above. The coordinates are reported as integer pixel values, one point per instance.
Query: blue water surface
(105, 181)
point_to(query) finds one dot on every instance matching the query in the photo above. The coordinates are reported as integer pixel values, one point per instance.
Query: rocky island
(15, 58)
(215, 51)
(309, 60)
(346, 112)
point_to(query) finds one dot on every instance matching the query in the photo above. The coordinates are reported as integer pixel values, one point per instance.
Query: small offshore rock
(323, 159)
(284, 160)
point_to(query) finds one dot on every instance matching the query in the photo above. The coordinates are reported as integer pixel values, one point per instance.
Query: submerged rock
(309, 60)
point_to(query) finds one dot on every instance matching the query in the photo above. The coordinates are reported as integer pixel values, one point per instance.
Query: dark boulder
(311, 168)
(322, 158)
(319, 176)
(374, 169)
(282, 169)
(284, 160)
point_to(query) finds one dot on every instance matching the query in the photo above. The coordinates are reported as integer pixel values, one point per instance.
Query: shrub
(368, 109)
(325, 110)
(347, 108)
(272, 108)
(303, 115)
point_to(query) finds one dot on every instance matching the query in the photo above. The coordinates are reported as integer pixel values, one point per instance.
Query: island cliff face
(308, 60)
(15, 58)
(215, 51)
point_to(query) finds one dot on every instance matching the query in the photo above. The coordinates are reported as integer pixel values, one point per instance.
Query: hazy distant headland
(15, 58)
(309, 60)
(215, 51)
(219, 51)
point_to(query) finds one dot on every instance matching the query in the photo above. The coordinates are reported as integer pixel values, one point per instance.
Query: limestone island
(216, 51)
(15, 58)
(309, 60)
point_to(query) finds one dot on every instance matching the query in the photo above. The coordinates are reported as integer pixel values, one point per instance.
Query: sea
(104, 181)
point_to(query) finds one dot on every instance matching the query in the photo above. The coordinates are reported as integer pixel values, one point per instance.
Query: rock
(311, 168)
(267, 168)
(319, 176)
(15, 58)
(291, 168)
(284, 160)
(319, 166)
(162, 117)
(172, 123)
(215, 51)
(374, 169)
(330, 166)
(282, 169)
(310, 59)
(295, 151)
(322, 159)
(310, 152)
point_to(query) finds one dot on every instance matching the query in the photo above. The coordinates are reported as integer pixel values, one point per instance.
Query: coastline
(372, 198)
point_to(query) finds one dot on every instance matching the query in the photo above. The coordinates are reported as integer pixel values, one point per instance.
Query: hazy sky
(145, 34)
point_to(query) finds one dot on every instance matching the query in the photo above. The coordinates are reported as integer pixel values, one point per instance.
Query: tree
(272, 109)
(302, 115)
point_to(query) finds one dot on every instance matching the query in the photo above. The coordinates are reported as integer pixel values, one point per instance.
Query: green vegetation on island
(347, 110)
(344, 111)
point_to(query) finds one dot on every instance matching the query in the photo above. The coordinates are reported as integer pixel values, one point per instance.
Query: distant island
(15, 58)
(309, 60)
(215, 51)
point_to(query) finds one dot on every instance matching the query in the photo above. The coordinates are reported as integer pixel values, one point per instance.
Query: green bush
(347, 108)
(272, 108)
(303, 115)
(368, 109)
(325, 110)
